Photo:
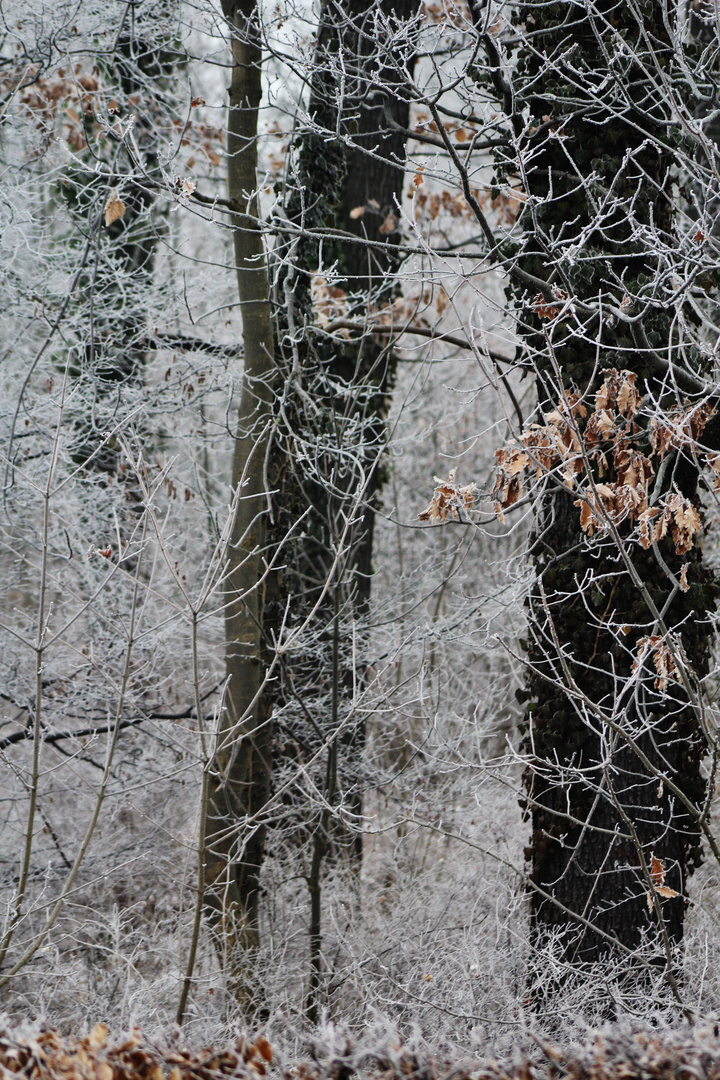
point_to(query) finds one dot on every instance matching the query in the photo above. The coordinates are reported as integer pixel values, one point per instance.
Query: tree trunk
(241, 779)
(332, 430)
(610, 761)
(331, 182)
(112, 357)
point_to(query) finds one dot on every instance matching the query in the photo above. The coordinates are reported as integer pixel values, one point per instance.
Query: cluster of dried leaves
(545, 309)
(448, 500)
(505, 205)
(50, 1056)
(429, 205)
(610, 441)
(662, 657)
(329, 301)
(69, 98)
(390, 220)
(615, 1053)
(657, 873)
(453, 13)
(75, 104)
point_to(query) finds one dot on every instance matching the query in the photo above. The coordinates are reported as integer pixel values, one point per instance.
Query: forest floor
(614, 1052)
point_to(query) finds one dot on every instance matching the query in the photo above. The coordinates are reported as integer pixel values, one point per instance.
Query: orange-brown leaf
(449, 497)
(114, 208)
(657, 870)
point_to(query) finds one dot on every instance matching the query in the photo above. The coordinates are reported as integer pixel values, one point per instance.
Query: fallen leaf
(98, 1036)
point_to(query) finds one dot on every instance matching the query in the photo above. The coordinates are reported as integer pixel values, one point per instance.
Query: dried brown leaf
(544, 309)
(449, 498)
(666, 671)
(98, 1036)
(389, 225)
(587, 522)
(264, 1048)
(680, 428)
(684, 522)
(657, 870)
(114, 208)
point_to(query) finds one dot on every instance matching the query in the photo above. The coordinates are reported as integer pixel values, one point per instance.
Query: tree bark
(600, 791)
(241, 778)
(332, 431)
(349, 382)
(113, 354)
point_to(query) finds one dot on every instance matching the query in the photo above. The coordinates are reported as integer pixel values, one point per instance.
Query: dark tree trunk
(601, 768)
(349, 382)
(321, 458)
(598, 775)
(331, 432)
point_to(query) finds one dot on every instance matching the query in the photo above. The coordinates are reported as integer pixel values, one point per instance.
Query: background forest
(359, 535)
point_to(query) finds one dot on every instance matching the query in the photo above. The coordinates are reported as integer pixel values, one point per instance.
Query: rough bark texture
(349, 384)
(613, 134)
(330, 437)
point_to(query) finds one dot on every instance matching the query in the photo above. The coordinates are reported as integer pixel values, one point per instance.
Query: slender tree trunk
(241, 779)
